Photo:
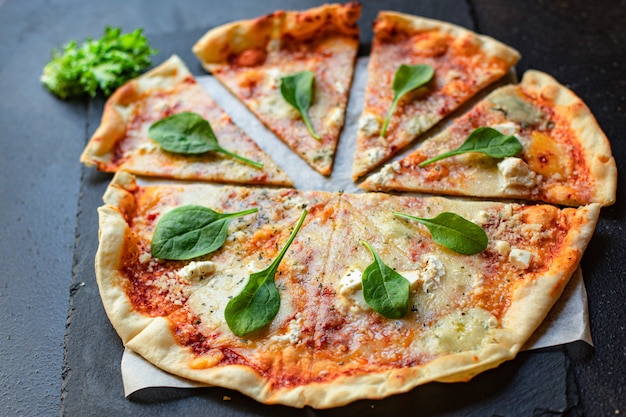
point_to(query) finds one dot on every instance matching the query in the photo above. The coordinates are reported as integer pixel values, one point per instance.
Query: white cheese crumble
(294, 330)
(339, 87)
(148, 147)
(369, 125)
(433, 271)
(333, 118)
(520, 258)
(351, 290)
(502, 247)
(276, 106)
(273, 77)
(197, 270)
(419, 123)
(516, 173)
(374, 154)
(507, 128)
(481, 217)
(429, 276)
(144, 258)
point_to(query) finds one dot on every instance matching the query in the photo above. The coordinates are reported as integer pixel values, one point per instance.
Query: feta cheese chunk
(197, 270)
(520, 258)
(516, 173)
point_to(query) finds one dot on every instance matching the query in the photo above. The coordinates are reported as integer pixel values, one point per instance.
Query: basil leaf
(187, 232)
(454, 232)
(484, 140)
(385, 290)
(259, 301)
(297, 90)
(190, 134)
(407, 78)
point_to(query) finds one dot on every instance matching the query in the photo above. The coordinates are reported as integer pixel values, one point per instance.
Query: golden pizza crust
(231, 39)
(464, 63)
(121, 141)
(321, 351)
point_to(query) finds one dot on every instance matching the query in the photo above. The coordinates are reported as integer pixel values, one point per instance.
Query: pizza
(564, 157)
(328, 343)
(461, 63)
(293, 70)
(122, 140)
(321, 298)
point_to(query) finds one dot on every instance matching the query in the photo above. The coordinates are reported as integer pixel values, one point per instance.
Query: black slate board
(535, 383)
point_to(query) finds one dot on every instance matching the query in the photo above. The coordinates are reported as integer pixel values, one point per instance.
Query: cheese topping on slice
(293, 333)
(516, 173)
(462, 331)
(369, 125)
(351, 290)
(520, 258)
(197, 270)
(429, 276)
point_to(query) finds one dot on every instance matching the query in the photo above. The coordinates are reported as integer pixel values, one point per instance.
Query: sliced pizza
(328, 338)
(222, 152)
(560, 154)
(293, 70)
(420, 70)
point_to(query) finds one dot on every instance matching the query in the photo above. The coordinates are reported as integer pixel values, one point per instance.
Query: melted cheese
(209, 301)
(462, 331)
(276, 106)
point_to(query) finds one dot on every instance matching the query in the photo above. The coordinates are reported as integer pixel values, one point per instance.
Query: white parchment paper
(567, 322)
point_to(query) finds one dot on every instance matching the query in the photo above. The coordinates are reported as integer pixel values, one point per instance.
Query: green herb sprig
(484, 140)
(454, 232)
(407, 78)
(297, 90)
(385, 290)
(259, 301)
(100, 65)
(190, 134)
(190, 231)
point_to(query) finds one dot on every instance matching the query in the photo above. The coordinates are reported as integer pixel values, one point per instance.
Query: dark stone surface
(48, 223)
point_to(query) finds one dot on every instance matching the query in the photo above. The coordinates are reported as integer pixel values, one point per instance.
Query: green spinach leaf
(385, 290)
(484, 140)
(407, 78)
(189, 133)
(297, 90)
(258, 303)
(187, 232)
(454, 232)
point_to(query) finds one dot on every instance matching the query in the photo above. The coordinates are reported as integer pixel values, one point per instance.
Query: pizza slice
(293, 70)
(123, 140)
(562, 156)
(328, 343)
(463, 314)
(420, 70)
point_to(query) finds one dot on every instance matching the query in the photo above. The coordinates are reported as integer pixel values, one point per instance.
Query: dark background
(59, 354)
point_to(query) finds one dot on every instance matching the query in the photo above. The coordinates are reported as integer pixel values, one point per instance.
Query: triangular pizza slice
(293, 70)
(561, 157)
(420, 70)
(123, 140)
